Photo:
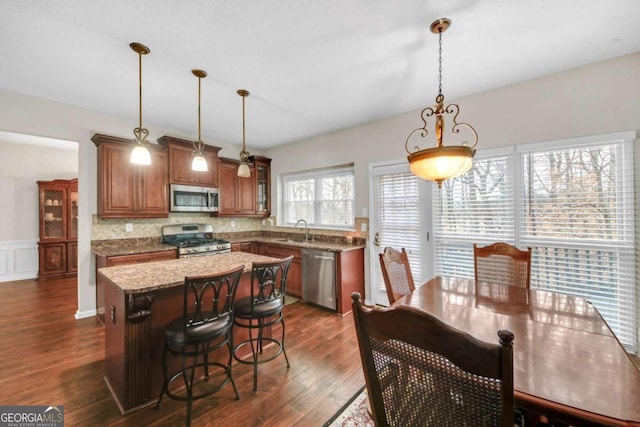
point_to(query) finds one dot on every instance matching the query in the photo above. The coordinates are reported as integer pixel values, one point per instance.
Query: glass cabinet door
(53, 213)
(72, 209)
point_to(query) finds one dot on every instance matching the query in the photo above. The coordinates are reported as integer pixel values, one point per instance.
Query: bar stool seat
(205, 326)
(261, 310)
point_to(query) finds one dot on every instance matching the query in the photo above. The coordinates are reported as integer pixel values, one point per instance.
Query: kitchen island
(140, 299)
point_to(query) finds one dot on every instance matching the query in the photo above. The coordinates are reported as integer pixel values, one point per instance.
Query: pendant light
(441, 162)
(243, 169)
(140, 154)
(199, 163)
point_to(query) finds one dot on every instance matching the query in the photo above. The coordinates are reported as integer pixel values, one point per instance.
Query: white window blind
(324, 198)
(398, 218)
(577, 215)
(474, 208)
(574, 206)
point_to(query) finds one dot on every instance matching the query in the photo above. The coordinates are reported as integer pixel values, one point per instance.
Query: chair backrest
(396, 273)
(210, 297)
(503, 264)
(269, 281)
(420, 371)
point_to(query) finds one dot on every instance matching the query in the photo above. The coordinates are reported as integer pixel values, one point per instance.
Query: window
(570, 201)
(324, 198)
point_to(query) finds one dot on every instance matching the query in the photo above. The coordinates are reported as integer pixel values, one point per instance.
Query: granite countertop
(116, 247)
(151, 276)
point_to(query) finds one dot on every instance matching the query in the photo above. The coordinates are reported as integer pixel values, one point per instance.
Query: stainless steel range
(194, 240)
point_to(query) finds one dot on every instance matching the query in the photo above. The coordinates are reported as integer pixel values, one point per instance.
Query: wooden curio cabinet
(180, 157)
(58, 218)
(126, 190)
(245, 197)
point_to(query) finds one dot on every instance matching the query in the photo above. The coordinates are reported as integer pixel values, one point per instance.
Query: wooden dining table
(568, 364)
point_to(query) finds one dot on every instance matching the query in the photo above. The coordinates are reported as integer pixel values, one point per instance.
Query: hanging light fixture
(199, 163)
(441, 162)
(243, 169)
(140, 154)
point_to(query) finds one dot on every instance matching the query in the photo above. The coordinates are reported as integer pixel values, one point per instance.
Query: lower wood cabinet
(294, 279)
(113, 261)
(250, 247)
(52, 260)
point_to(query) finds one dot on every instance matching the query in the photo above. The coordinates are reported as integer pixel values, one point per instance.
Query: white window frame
(629, 238)
(317, 175)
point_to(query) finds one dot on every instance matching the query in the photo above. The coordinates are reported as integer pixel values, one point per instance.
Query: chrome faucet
(306, 229)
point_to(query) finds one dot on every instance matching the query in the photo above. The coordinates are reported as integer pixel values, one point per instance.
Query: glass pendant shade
(243, 170)
(199, 163)
(441, 163)
(140, 155)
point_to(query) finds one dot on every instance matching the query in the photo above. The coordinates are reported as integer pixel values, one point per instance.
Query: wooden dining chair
(420, 371)
(396, 273)
(502, 263)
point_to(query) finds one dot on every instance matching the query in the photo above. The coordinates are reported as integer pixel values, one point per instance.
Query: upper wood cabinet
(263, 185)
(180, 157)
(236, 193)
(126, 190)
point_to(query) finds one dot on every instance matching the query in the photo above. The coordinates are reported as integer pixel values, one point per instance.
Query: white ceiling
(312, 66)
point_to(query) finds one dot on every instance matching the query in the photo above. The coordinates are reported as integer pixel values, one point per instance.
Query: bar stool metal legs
(262, 310)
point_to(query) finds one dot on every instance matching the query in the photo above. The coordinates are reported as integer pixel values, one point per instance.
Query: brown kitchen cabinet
(294, 279)
(262, 167)
(117, 260)
(236, 193)
(126, 190)
(249, 247)
(245, 197)
(58, 219)
(180, 158)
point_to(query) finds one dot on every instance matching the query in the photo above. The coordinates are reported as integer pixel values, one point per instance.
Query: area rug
(353, 414)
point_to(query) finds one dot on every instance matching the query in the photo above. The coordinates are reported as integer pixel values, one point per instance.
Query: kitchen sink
(294, 240)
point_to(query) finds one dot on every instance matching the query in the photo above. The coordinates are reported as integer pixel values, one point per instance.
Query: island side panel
(134, 340)
(350, 278)
(114, 340)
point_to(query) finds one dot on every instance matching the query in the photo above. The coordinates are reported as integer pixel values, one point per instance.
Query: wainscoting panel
(18, 260)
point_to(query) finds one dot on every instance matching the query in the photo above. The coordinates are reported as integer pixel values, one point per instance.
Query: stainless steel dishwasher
(319, 277)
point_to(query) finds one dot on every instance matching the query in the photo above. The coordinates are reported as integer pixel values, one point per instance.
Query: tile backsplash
(107, 229)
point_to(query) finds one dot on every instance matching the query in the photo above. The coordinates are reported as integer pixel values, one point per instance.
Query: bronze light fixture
(140, 154)
(243, 169)
(441, 162)
(199, 163)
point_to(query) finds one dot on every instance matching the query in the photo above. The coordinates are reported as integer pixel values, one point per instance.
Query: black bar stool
(205, 326)
(263, 309)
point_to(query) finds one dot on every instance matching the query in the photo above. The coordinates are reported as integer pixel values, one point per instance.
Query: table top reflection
(567, 361)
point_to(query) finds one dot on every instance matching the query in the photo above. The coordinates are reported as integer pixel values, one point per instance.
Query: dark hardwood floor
(47, 357)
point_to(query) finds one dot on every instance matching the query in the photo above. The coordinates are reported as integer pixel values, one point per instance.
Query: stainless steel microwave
(190, 198)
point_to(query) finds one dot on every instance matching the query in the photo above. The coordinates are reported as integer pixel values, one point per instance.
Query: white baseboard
(18, 260)
(85, 314)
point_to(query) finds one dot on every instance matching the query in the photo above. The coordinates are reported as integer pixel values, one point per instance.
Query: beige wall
(22, 166)
(595, 99)
(591, 100)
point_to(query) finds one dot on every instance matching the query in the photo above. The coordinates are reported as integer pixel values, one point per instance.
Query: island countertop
(150, 276)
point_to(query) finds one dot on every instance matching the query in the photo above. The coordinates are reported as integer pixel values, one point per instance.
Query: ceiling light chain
(441, 162)
(243, 169)
(199, 163)
(140, 154)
